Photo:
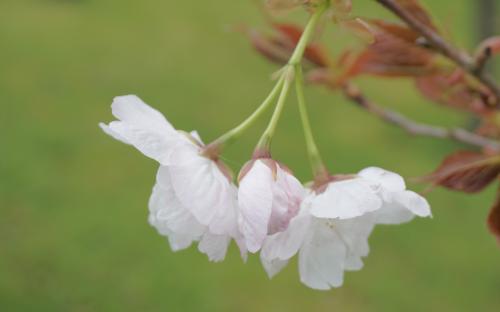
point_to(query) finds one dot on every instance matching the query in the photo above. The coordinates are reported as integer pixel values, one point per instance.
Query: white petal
(167, 211)
(195, 135)
(354, 233)
(144, 127)
(273, 266)
(204, 190)
(284, 245)
(321, 258)
(346, 199)
(179, 242)
(255, 199)
(413, 202)
(288, 194)
(393, 213)
(390, 181)
(131, 109)
(214, 246)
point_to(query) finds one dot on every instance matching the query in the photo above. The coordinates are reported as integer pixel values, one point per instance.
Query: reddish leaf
(274, 49)
(494, 219)
(279, 47)
(418, 11)
(391, 54)
(453, 89)
(315, 53)
(466, 171)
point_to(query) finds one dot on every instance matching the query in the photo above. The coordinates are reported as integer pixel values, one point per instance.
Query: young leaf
(418, 11)
(466, 171)
(454, 90)
(394, 52)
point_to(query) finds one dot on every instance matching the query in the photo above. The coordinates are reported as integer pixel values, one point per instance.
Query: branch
(414, 128)
(462, 59)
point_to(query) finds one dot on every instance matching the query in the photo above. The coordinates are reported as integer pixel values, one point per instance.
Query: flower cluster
(195, 200)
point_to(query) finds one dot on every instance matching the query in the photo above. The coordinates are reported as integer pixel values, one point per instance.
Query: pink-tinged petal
(214, 246)
(274, 266)
(346, 199)
(288, 194)
(321, 258)
(284, 245)
(143, 127)
(413, 202)
(390, 181)
(255, 200)
(204, 190)
(167, 211)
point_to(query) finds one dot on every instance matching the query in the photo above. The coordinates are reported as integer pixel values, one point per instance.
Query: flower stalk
(282, 88)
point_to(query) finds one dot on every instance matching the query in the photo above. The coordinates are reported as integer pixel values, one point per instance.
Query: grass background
(73, 202)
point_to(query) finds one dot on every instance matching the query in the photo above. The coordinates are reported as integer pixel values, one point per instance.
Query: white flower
(331, 232)
(194, 198)
(268, 196)
(399, 204)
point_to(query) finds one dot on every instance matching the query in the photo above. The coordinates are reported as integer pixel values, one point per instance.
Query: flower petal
(321, 258)
(346, 199)
(413, 202)
(354, 233)
(142, 126)
(255, 199)
(204, 190)
(167, 211)
(214, 246)
(284, 245)
(390, 181)
(274, 266)
(288, 194)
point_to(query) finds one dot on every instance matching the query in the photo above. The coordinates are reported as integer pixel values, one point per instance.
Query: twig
(415, 128)
(462, 59)
(482, 56)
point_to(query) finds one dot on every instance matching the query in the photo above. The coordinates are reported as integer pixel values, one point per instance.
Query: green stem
(288, 74)
(213, 149)
(317, 164)
(268, 134)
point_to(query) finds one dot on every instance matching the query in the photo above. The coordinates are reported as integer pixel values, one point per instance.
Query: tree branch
(414, 128)
(462, 59)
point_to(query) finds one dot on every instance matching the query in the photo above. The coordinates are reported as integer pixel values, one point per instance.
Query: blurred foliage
(73, 202)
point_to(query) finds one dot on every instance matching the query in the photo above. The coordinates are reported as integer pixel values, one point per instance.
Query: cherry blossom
(268, 196)
(330, 233)
(194, 198)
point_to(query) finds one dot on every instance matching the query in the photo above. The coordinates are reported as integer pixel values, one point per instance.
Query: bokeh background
(73, 202)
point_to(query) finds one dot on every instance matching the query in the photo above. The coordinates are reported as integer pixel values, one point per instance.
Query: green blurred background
(73, 202)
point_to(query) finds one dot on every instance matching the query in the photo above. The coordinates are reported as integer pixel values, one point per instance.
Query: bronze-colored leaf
(314, 53)
(494, 218)
(393, 53)
(418, 11)
(453, 89)
(466, 171)
(279, 46)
